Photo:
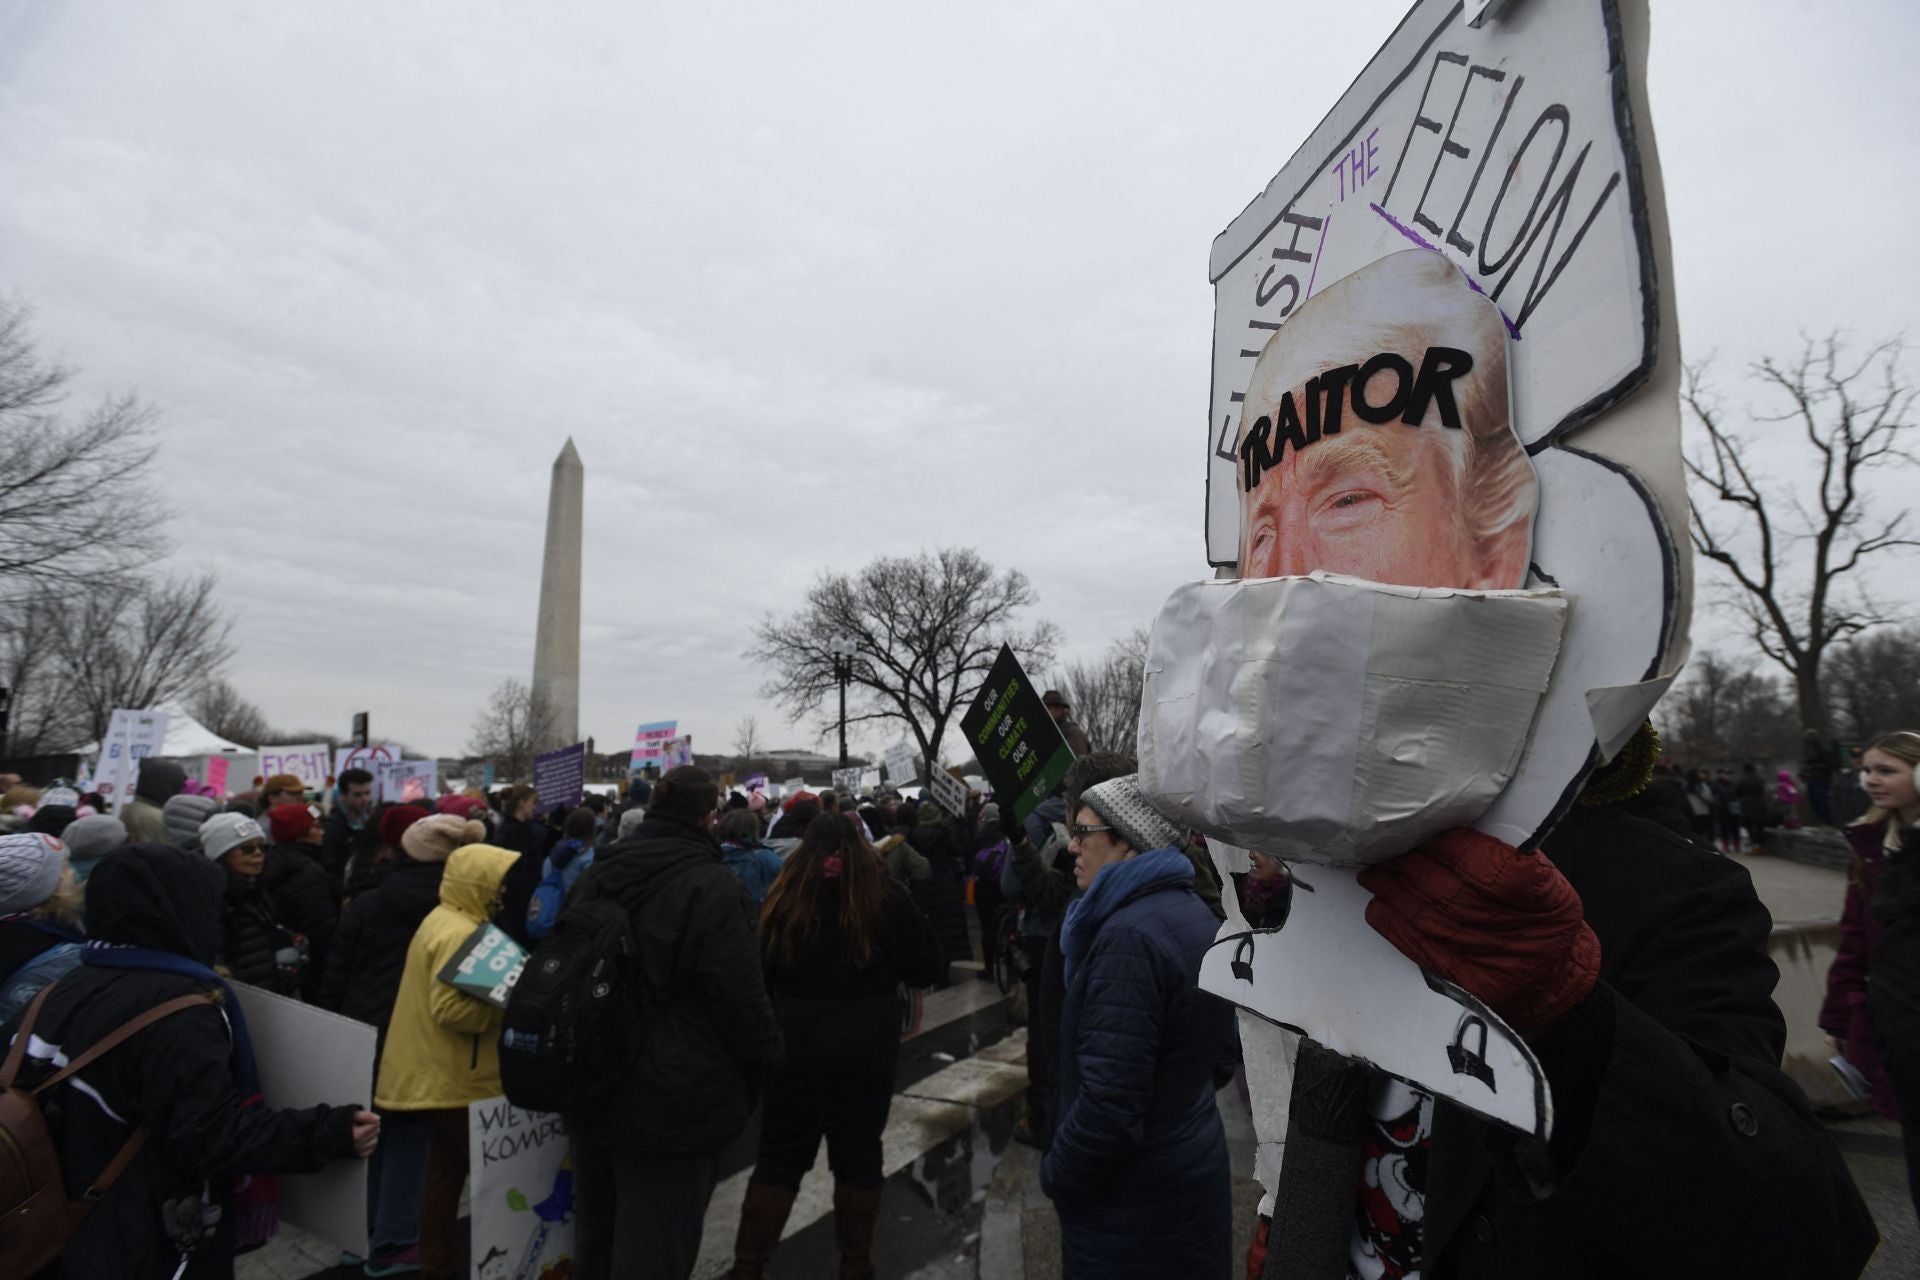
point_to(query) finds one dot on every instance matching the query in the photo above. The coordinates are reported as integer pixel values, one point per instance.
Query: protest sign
(217, 775)
(311, 762)
(409, 781)
(903, 764)
(756, 782)
(131, 737)
(1506, 168)
(680, 752)
(870, 779)
(560, 777)
(1020, 748)
(486, 966)
(948, 792)
(520, 1185)
(372, 759)
(846, 782)
(792, 785)
(309, 1057)
(650, 744)
(1510, 149)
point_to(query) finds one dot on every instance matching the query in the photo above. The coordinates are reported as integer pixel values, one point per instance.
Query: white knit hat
(1119, 801)
(225, 831)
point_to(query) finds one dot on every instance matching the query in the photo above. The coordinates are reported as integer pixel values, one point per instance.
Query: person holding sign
(1376, 442)
(442, 1050)
(187, 1081)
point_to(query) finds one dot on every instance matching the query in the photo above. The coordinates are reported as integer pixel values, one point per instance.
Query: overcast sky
(805, 284)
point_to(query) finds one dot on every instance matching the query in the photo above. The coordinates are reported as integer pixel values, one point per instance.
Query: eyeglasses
(1078, 832)
(254, 847)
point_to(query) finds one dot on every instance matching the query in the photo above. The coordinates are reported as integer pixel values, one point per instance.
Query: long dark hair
(832, 848)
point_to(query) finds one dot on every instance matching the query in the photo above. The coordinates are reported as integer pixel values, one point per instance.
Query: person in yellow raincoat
(442, 1047)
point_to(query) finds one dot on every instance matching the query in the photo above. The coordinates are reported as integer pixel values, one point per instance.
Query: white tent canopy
(186, 737)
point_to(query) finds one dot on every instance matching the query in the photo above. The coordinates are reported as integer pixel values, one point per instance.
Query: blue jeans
(394, 1175)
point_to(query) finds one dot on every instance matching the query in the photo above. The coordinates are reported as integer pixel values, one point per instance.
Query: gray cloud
(805, 283)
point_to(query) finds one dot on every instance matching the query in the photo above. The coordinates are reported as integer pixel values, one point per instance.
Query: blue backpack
(562, 867)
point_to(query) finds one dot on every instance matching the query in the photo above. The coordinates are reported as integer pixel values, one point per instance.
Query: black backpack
(573, 1021)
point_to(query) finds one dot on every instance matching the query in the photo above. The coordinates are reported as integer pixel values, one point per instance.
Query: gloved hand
(1504, 925)
(1010, 826)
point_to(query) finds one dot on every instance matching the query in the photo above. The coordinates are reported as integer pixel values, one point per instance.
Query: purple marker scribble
(1425, 243)
(1315, 273)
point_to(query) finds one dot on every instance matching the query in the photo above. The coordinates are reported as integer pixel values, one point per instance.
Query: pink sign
(217, 775)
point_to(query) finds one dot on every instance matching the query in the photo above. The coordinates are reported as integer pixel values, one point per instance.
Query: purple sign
(561, 778)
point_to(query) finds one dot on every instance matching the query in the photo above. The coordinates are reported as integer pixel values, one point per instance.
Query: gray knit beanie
(30, 866)
(91, 838)
(1119, 801)
(182, 817)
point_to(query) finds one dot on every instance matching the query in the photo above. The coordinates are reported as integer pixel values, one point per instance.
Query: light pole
(842, 648)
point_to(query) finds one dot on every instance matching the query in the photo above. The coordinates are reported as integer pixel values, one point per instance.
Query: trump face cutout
(1376, 441)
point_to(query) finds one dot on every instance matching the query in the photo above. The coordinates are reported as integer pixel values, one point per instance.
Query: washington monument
(555, 713)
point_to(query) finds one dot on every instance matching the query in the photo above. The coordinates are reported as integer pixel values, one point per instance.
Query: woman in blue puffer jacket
(1138, 1167)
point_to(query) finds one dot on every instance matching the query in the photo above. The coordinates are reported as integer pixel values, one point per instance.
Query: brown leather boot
(855, 1210)
(762, 1217)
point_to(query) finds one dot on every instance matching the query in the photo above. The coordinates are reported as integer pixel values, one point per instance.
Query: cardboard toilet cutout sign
(1453, 598)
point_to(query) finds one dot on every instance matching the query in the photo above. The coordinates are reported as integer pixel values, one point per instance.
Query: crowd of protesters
(768, 946)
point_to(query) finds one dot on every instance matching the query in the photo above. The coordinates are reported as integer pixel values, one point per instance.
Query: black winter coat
(942, 896)
(530, 841)
(711, 1038)
(176, 1077)
(306, 904)
(254, 935)
(833, 1014)
(344, 845)
(1680, 1148)
(370, 948)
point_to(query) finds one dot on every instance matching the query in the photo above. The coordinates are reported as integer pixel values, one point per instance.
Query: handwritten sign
(369, 758)
(1506, 147)
(486, 966)
(560, 777)
(131, 737)
(409, 781)
(520, 1174)
(903, 763)
(1019, 746)
(846, 782)
(311, 762)
(948, 792)
(651, 743)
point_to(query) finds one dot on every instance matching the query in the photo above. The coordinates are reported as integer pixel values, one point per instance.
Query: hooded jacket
(159, 782)
(1138, 1167)
(177, 1077)
(710, 1034)
(442, 1046)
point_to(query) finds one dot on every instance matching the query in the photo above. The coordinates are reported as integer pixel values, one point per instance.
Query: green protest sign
(486, 966)
(1020, 748)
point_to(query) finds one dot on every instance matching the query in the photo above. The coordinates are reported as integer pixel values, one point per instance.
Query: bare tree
(1106, 693)
(505, 731)
(74, 496)
(746, 740)
(1722, 711)
(220, 707)
(128, 642)
(1870, 684)
(42, 719)
(1792, 550)
(925, 631)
